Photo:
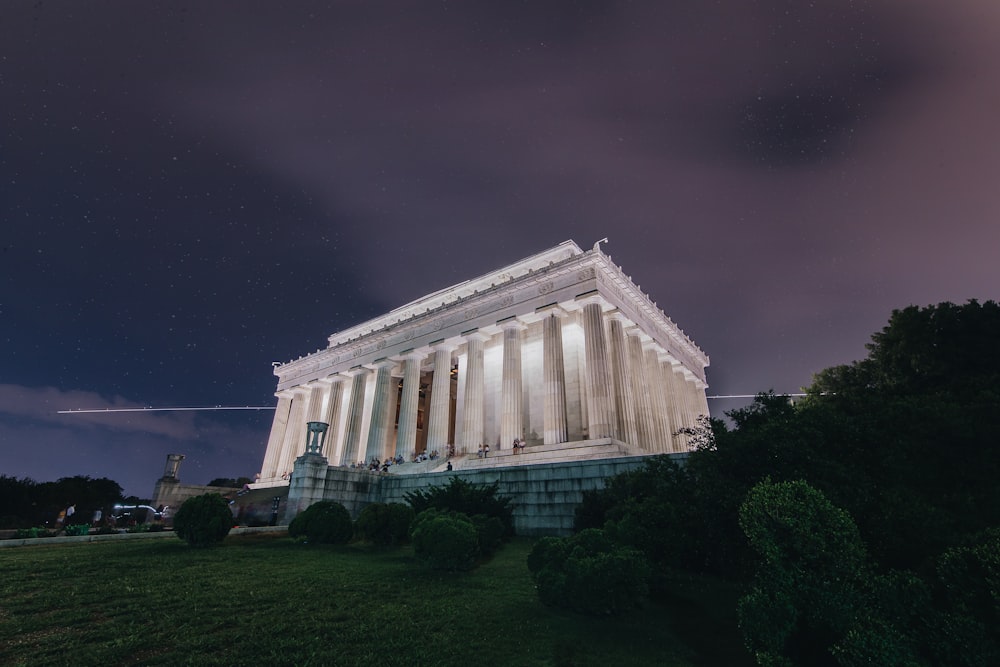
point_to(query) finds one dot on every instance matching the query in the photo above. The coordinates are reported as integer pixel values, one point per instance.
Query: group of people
(424, 456)
(377, 465)
(484, 450)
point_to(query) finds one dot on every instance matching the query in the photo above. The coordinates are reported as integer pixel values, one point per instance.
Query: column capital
(643, 337)
(593, 297)
(512, 323)
(654, 346)
(449, 345)
(419, 354)
(620, 317)
(542, 312)
(554, 310)
(379, 363)
(476, 335)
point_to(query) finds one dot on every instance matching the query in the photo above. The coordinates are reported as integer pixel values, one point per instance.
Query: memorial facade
(558, 349)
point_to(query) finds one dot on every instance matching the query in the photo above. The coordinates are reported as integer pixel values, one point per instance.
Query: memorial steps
(583, 450)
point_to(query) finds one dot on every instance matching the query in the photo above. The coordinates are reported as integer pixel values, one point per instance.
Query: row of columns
(632, 392)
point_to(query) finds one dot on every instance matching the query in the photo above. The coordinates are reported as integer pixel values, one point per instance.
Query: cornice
(552, 277)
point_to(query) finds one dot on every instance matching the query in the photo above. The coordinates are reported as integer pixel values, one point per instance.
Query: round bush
(325, 522)
(384, 524)
(445, 541)
(203, 520)
(489, 533)
(589, 573)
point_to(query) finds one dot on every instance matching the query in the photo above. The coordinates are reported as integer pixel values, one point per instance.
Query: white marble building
(558, 348)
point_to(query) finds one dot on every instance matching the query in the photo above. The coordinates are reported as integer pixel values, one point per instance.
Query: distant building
(560, 350)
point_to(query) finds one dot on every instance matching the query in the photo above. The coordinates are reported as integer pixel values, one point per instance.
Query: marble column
(406, 434)
(641, 390)
(554, 376)
(511, 423)
(269, 469)
(683, 404)
(439, 417)
(355, 412)
(701, 400)
(335, 399)
(295, 434)
(314, 409)
(657, 399)
(472, 417)
(600, 410)
(377, 431)
(674, 404)
(620, 375)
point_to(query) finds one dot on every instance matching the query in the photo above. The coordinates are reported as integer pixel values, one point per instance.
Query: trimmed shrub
(589, 573)
(325, 522)
(812, 577)
(203, 520)
(445, 541)
(469, 499)
(489, 533)
(385, 525)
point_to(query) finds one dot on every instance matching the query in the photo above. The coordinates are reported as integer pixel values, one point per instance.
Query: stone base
(545, 495)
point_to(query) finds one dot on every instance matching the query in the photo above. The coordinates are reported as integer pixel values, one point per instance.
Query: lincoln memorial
(560, 351)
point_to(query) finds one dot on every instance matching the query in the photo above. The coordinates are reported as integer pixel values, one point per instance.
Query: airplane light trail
(751, 395)
(217, 407)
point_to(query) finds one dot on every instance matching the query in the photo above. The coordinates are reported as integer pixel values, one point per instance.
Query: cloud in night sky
(191, 192)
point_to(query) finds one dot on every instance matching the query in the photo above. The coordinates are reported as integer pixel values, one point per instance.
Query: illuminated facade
(557, 350)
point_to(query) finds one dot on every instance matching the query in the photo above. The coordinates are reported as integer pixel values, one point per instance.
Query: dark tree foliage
(445, 540)
(650, 509)
(906, 441)
(810, 582)
(589, 572)
(203, 521)
(384, 524)
(325, 522)
(25, 503)
(469, 499)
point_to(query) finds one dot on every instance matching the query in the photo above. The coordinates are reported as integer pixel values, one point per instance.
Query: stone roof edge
(647, 309)
(616, 285)
(460, 290)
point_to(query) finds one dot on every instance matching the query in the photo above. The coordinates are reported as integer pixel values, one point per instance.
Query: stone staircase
(583, 450)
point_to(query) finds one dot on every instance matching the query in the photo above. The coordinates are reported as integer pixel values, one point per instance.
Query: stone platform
(546, 486)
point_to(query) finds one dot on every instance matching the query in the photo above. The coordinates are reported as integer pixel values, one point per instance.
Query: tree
(810, 583)
(384, 524)
(325, 522)
(469, 499)
(203, 521)
(27, 503)
(589, 572)
(444, 540)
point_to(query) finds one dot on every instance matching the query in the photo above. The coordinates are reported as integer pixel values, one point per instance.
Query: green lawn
(265, 600)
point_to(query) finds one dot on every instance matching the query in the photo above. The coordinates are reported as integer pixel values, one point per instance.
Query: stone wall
(172, 493)
(545, 495)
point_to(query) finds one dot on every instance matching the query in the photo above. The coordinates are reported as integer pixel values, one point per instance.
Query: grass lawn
(266, 600)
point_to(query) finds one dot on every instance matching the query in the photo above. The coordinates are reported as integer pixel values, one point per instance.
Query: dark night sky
(188, 193)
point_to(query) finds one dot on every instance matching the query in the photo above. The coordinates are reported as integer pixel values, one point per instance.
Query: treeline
(864, 519)
(25, 503)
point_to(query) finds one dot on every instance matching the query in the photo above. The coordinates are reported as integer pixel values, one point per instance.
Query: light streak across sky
(217, 407)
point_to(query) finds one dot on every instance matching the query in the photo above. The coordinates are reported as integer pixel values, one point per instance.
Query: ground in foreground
(271, 600)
